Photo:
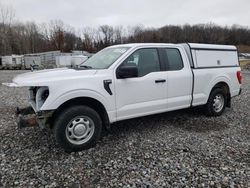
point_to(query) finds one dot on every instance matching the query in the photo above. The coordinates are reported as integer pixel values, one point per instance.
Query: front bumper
(27, 117)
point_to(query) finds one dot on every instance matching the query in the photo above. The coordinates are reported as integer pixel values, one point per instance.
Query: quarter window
(174, 60)
(146, 60)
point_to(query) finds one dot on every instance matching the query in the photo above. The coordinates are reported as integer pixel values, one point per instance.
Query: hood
(44, 77)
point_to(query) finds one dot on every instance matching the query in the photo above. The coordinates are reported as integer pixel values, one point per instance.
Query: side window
(147, 61)
(174, 59)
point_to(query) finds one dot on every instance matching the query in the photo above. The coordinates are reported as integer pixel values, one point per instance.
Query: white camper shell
(211, 56)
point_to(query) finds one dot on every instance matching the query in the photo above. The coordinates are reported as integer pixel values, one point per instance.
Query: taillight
(239, 76)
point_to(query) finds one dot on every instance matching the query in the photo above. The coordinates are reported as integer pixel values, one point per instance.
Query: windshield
(104, 58)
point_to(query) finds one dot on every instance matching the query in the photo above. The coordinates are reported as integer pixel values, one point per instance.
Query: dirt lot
(177, 149)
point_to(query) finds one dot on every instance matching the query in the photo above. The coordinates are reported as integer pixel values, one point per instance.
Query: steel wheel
(218, 103)
(79, 130)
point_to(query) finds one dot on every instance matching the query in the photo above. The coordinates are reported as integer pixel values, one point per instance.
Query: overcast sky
(150, 13)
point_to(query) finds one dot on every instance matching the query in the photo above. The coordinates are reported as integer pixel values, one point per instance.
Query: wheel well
(88, 101)
(226, 89)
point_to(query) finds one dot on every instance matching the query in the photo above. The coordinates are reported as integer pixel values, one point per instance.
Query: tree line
(30, 37)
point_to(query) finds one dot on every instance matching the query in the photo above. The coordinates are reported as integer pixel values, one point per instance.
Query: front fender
(53, 103)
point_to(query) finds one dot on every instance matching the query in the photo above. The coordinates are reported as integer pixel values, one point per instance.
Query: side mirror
(128, 70)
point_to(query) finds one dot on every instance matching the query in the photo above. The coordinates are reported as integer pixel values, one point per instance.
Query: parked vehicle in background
(41, 60)
(44, 60)
(128, 81)
(12, 62)
(32, 60)
(244, 56)
(78, 59)
(69, 60)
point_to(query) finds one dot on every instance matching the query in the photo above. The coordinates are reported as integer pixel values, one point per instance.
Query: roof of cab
(142, 45)
(192, 45)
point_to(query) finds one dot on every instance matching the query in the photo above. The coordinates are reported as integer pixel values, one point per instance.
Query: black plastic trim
(213, 49)
(192, 94)
(216, 67)
(160, 81)
(238, 55)
(162, 59)
(106, 84)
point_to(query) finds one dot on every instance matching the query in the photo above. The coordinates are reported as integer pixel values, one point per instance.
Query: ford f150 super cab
(127, 81)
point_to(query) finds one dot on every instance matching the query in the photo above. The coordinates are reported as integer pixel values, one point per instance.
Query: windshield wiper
(86, 66)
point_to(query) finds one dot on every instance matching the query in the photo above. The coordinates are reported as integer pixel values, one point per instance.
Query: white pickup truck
(127, 81)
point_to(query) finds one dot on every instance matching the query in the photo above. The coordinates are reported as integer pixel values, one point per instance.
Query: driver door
(145, 94)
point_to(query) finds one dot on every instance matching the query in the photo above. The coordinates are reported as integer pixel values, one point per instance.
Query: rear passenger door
(179, 78)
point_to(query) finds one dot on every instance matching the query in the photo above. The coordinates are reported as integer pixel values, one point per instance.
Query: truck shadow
(192, 120)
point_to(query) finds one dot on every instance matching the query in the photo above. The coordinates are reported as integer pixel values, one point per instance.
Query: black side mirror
(128, 70)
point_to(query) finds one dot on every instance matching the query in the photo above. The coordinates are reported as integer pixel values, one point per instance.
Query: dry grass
(244, 63)
(243, 48)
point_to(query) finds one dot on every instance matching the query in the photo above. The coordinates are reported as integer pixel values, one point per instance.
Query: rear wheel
(216, 102)
(77, 128)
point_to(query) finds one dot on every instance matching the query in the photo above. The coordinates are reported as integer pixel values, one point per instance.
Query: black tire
(65, 121)
(210, 107)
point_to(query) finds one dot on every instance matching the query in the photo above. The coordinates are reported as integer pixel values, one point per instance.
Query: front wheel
(216, 102)
(77, 128)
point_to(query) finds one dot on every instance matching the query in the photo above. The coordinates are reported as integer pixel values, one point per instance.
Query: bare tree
(108, 33)
(6, 17)
(118, 35)
(137, 33)
(7, 14)
(90, 35)
(19, 37)
(57, 34)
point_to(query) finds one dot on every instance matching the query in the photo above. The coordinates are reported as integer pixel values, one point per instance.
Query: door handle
(160, 81)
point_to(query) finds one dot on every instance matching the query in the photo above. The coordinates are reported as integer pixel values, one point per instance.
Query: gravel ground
(176, 149)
